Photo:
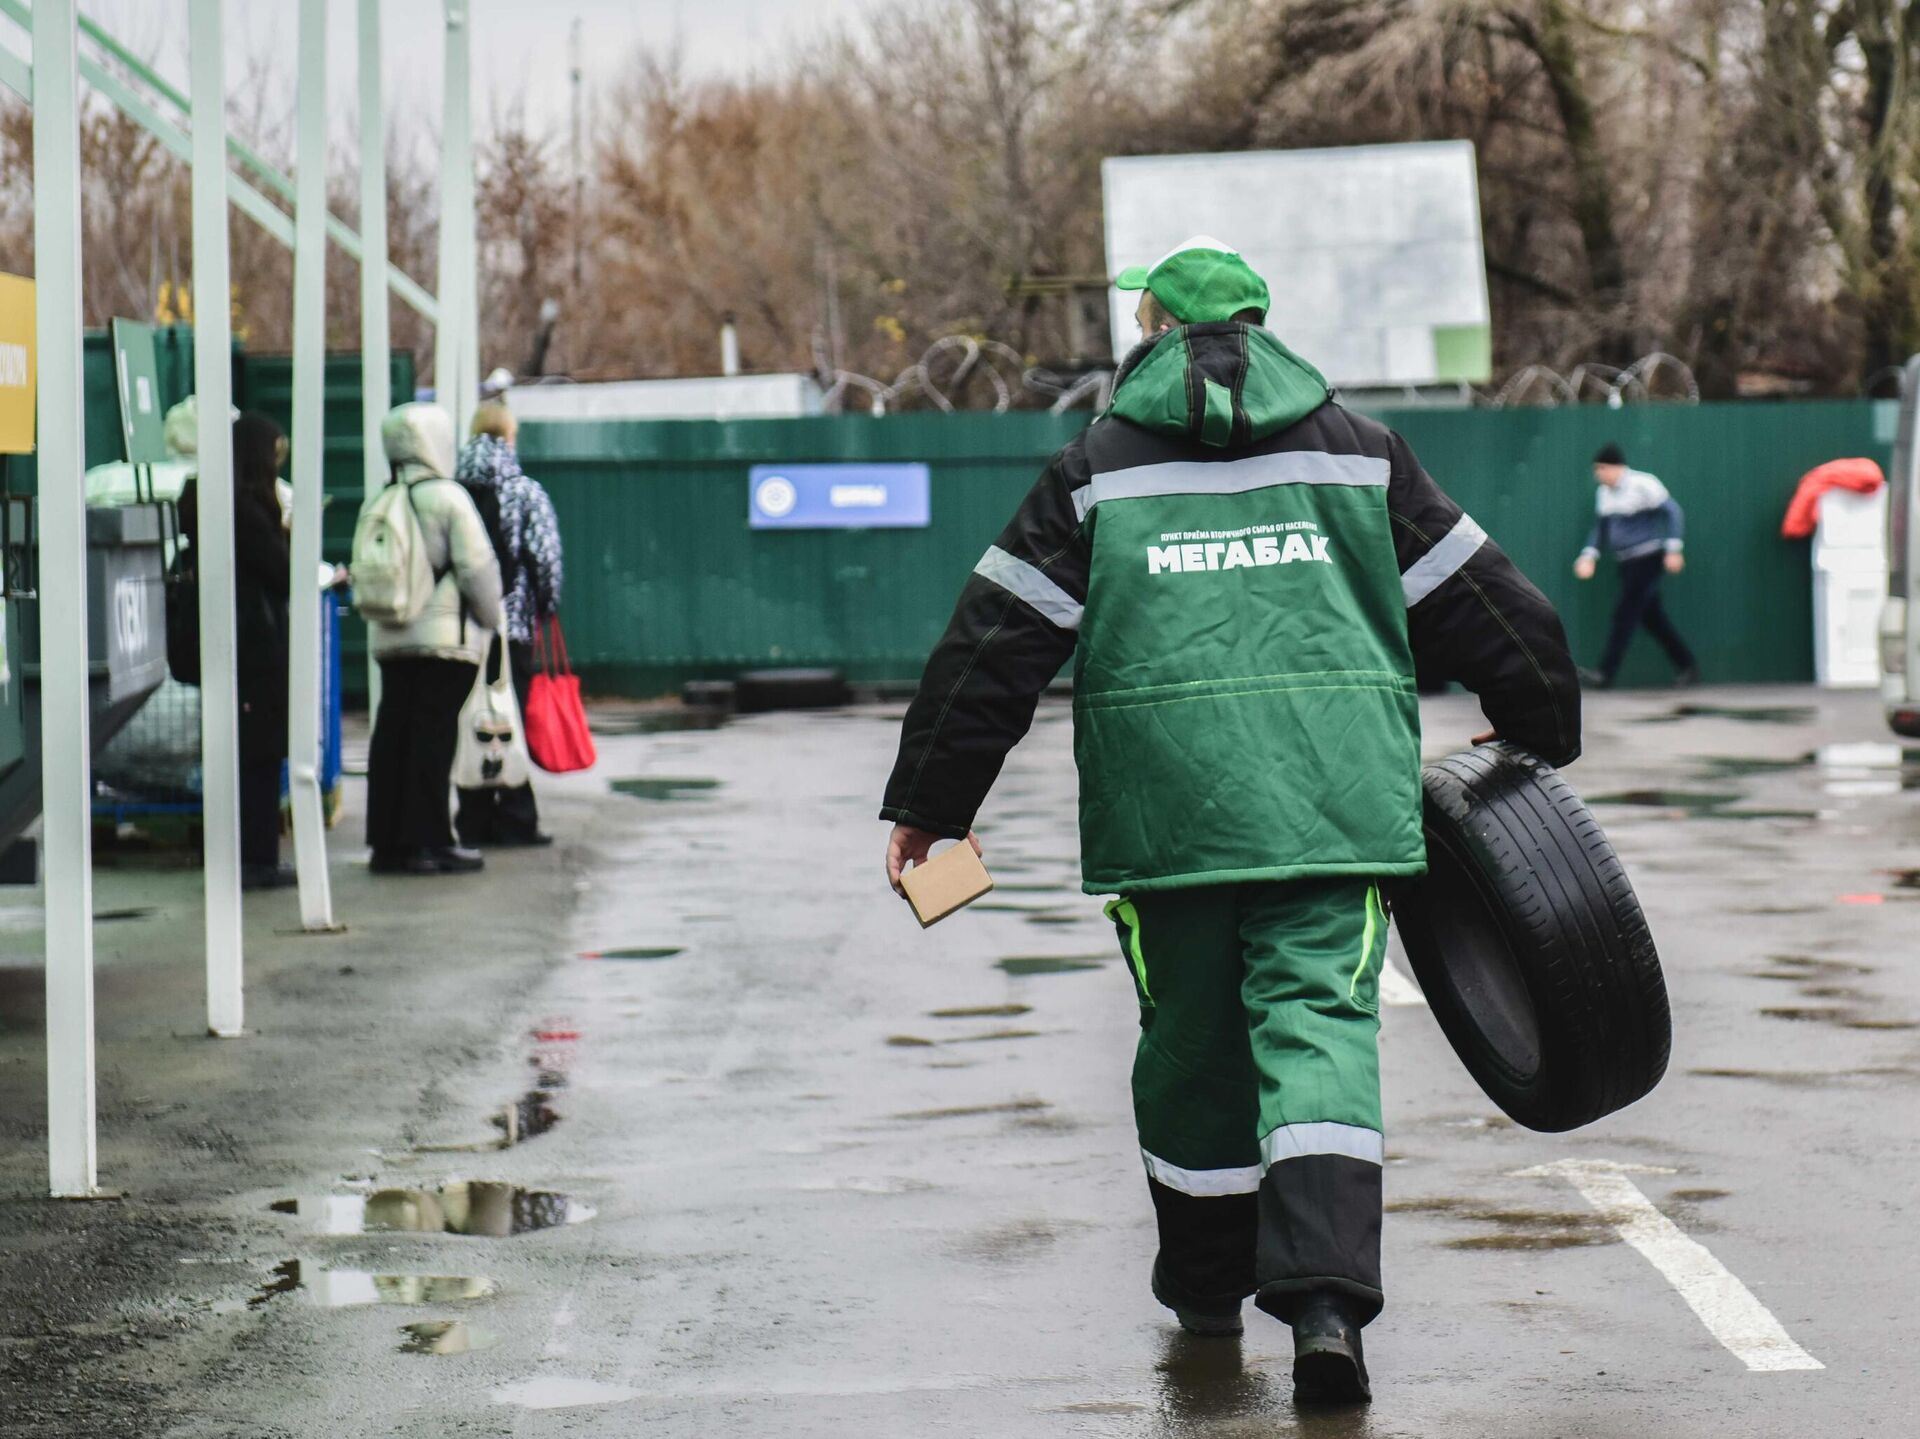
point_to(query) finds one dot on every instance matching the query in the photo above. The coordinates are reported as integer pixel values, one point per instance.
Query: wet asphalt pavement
(777, 1163)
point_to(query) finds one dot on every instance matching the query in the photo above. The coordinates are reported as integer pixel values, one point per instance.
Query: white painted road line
(1726, 1306)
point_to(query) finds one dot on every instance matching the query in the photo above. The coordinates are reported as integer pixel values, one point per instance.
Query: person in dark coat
(261, 585)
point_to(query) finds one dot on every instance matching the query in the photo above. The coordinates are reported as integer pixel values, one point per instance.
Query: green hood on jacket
(1221, 384)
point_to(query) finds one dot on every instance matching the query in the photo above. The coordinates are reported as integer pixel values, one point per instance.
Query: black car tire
(1529, 944)
(757, 691)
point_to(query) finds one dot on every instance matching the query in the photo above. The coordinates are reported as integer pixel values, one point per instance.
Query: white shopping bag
(493, 746)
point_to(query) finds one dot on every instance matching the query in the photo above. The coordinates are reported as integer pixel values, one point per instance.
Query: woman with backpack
(261, 578)
(426, 580)
(526, 540)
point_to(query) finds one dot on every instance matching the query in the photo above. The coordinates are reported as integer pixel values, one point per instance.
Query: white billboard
(1372, 252)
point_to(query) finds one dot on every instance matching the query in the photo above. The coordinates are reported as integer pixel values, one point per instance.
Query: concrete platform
(829, 1200)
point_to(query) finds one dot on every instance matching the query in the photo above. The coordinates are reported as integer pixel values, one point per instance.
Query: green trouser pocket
(1126, 920)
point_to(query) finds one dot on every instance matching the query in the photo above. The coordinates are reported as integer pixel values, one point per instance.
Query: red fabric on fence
(1803, 511)
(556, 721)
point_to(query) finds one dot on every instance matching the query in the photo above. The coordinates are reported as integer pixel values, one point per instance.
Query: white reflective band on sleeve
(1443, 561)
(1082, 501)
(1203, 1183)
(1236, 477)
(1295, 1141)
(1022, 580)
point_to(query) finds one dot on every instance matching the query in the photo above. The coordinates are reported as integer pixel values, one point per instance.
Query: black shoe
(1594, 680)
(535, 839)
(451, 860)
(389, 861)
(267, 876)
(1686, 677)
(1208, 1324)
(1328, 1367)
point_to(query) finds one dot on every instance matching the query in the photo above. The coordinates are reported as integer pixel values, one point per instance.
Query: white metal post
(375, 357)
(213, 387)
(309, 481)
(456, 371)
(68, 833)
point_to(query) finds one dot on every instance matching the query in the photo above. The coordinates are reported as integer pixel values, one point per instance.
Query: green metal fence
(666, 582)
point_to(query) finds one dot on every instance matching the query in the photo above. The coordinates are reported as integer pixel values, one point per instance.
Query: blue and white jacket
(1634, 518)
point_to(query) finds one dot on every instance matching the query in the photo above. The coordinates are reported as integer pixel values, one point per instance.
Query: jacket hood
(1223, 384)
(487, 460)
(418, 439)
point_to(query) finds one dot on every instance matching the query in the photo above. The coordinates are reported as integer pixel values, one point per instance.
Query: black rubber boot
(1328, 1367)
(1208, 1324)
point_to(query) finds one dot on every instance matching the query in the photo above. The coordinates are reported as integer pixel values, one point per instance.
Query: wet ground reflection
(350, 1288)
(443, 1336)
(493, 1211)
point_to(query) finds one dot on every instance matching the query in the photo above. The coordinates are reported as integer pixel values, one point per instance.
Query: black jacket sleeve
(1015, 625)
(1474, 618)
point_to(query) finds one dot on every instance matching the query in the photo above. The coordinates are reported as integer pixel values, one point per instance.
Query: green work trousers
(1256, 1088)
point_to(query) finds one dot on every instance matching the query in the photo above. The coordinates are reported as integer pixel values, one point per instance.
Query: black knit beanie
(1609, 454)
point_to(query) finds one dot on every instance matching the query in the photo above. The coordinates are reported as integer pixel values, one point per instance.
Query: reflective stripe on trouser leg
(1195, 1091)
(1311, 995)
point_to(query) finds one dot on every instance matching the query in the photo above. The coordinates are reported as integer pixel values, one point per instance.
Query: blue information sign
(839, 497)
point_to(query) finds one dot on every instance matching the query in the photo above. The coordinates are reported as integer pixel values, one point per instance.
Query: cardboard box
(949, 881)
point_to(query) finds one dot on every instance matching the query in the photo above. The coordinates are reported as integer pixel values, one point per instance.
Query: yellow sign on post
(16, 365)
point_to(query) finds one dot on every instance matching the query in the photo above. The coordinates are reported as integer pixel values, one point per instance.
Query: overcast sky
(520, 46)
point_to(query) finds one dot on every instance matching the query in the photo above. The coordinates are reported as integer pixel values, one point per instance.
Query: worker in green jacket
(1252, 582)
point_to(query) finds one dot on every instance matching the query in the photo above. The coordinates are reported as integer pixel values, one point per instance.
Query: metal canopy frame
(50, 82)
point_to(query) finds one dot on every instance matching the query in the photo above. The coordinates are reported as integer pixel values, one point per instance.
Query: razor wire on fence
(947, 366)
(1609, 385)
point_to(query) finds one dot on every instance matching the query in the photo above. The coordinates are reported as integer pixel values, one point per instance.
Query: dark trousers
(1639, 604)
(260, 814)
(498, 814)
(410, 762)
(263, 748)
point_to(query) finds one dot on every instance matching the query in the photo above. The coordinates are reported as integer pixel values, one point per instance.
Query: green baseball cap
(1199, 281)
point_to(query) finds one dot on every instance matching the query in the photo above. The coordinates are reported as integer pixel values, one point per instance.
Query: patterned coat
(528, 529)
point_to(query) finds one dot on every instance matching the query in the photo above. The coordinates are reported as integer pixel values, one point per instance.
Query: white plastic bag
(493, 746)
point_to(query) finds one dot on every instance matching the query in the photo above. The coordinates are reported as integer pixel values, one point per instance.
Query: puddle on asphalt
(1014, 1240)
(1102, 1406)
(1844, 1018)
(1744, 714)
(1800, 968)
(981, 1011)
(130, 911)
(1050, 964)
(661, 722)
(1517, 1229)
(349, 1288)
(1695, 804)
(915, 1041)
(1780, 909)
(636, 951)
(478, 1208)
(444, 1336)
(1696, 1196)
(970, 1111)
(663, 789)
(528, 1117)
(1815, 1078)
(1202, 1380)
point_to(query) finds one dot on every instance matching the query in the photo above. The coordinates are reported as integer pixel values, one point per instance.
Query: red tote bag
(556, 721)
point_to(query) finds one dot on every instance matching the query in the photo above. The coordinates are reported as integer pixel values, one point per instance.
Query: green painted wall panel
(1745, 602)
(666, 582)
